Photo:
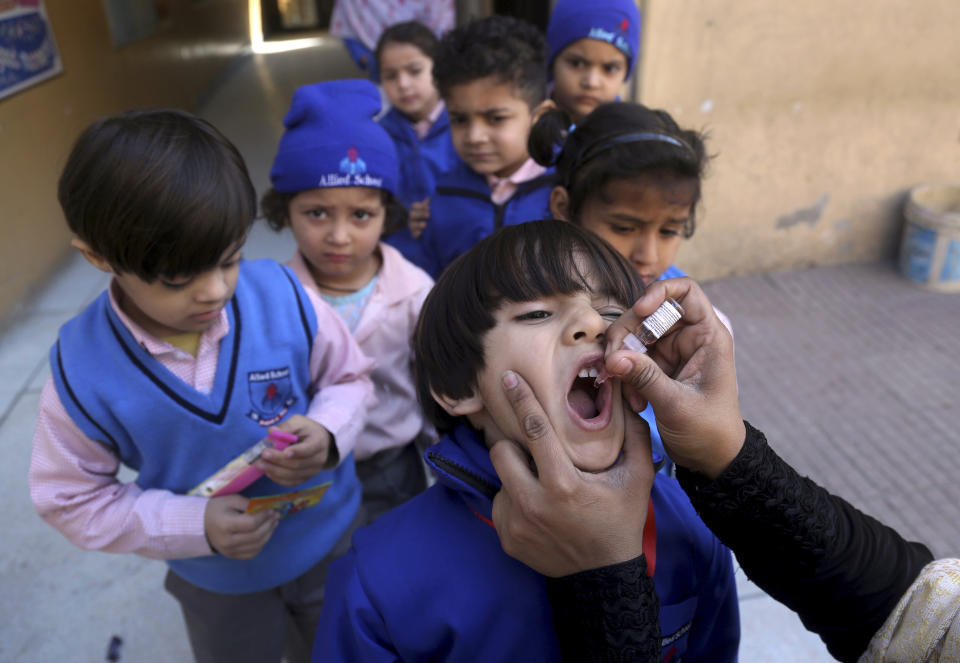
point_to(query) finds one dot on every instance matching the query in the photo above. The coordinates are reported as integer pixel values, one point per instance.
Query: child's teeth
(582, 373)
(593, 372)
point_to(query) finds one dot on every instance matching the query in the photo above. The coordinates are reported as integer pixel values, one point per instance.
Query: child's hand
(236, 534)
(419, 214)
(303, 459)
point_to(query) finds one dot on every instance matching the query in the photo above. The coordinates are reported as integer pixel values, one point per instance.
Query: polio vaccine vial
(654, 326)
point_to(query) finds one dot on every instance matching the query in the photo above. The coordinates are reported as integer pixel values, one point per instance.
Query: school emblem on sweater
(271, 395)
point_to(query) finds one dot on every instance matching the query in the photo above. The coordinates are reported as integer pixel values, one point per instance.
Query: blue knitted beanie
(616, 22)
(332, 140)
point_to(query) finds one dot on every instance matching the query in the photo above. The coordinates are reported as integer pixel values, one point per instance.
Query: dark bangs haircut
(515, 264)
(617, 141)
(157, 193)
(275, 207)
(508, 48)
(414, 33)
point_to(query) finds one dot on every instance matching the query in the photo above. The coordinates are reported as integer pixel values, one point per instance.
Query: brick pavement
(853, 373)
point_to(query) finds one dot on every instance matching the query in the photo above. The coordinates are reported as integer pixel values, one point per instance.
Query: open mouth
(587, 402)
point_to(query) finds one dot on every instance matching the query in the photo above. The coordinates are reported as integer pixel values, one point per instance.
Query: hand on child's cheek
(302, 460)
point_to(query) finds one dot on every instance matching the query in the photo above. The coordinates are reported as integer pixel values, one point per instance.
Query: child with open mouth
(430, 580)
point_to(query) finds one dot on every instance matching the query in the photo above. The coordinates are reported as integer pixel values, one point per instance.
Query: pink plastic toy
(241, 471)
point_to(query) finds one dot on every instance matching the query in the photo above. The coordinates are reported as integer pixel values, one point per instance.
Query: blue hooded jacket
(461, 213)
(429, 581)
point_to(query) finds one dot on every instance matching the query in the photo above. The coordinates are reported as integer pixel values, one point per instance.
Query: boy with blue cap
(593, 50)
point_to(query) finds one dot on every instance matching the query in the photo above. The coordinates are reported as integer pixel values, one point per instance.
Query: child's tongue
(582, 403)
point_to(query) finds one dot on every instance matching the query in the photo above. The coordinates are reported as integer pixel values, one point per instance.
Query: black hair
(275, 207)
(511, 49)
(408, 32)
(618, 140)
(157, 193)
(515, 264)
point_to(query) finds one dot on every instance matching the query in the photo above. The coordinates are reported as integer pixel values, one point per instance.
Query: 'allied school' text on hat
(332, 140)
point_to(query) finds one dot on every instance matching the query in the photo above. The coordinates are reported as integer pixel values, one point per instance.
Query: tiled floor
(851, 371)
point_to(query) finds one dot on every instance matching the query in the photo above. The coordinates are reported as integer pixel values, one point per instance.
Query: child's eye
(389, 76)
(669, 232)
(178, 285)
(457, 120)
(414, 71)
(533, 315)
(612, 68)
(362, 214)
(610, 313)
(576, 63)
(318, 213)
(621, 229)
(497, 119)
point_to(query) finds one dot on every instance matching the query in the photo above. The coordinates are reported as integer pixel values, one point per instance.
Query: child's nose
(587, 326)
(337, 233)
(476, 132)
(591, 78)
(644, 252)
(213, 286)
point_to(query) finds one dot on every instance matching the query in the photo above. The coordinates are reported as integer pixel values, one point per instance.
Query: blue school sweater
(461, 213)
(421, 162)
(429, 581)
(175, 436)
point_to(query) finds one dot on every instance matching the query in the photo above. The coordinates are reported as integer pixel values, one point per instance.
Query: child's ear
(92, 256)
(459, 407)
(560, 203)
(541, 108)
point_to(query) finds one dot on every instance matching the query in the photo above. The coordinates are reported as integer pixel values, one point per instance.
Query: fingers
(685, 290)
(539, 437)
(513, 467)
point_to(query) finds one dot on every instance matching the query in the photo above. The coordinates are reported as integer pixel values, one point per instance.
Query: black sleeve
(608, 615)
(842, 571)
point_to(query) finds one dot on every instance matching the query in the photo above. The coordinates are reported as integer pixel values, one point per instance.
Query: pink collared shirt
(73, 479)
(422, 127)
(385, 333)
(501, 188)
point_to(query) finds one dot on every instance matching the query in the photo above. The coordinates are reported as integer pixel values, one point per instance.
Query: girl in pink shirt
(335, 182)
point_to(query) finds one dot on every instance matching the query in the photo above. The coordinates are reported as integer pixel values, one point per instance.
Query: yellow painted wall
(172, 67)
(822, 114)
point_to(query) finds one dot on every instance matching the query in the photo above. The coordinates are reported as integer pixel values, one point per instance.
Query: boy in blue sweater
(429, 581)
(492, 74)
(187, 360)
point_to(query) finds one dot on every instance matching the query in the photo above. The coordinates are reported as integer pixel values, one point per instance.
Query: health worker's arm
(74, 487)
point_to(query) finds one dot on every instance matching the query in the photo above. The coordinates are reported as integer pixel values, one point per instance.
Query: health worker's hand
(418, 217)
(312, 453)
(563, 520)
(236, 534)
(688, 376)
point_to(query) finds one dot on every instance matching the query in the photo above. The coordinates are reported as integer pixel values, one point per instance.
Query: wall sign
(28, 52)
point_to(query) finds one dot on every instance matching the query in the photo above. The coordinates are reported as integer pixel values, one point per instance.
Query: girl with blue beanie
(418, 123)
(335, 185)
(593, 50)
(631, 175)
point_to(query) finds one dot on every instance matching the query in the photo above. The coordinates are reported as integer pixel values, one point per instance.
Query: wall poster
(28, 52)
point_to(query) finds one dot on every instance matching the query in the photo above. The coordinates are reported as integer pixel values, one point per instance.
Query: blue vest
(429, 581)
(175, 436)
(461, 213)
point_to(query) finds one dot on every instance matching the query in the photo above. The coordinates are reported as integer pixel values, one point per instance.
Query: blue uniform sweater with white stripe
(429, 580)
(461, 213)
(175, 437)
